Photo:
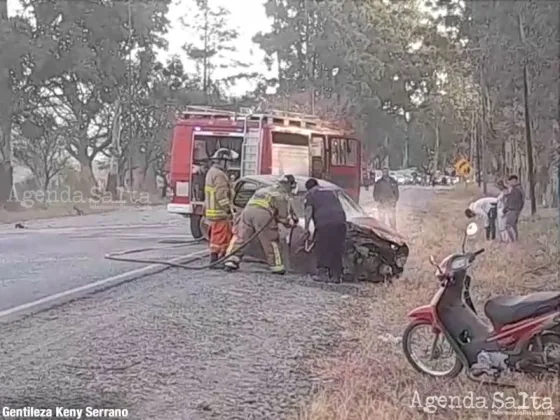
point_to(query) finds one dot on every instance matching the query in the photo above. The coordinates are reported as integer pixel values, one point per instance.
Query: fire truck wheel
(196, 226)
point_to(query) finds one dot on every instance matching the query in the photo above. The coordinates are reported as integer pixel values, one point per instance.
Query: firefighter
(268, 207)
(217, 203)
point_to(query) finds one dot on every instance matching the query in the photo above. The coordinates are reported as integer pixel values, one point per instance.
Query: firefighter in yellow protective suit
(217, 203)
(268, 207)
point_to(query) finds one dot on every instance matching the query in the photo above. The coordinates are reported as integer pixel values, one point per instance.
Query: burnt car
(373, 252)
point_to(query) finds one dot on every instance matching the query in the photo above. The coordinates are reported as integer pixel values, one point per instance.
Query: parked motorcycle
(524, 335)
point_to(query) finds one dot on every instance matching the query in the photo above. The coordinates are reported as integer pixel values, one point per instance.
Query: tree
(40, 146)
(212, 48)
(91, 55)
(369, 62)
(23, 56)
(504, 42)
(159, 92)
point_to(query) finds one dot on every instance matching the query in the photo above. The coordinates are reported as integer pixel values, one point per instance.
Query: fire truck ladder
(250, 155)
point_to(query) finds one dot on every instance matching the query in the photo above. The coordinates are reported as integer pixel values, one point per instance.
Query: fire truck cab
(273, 142)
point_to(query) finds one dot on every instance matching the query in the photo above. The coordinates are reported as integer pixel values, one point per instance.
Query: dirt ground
(194, 345)
(374, 381)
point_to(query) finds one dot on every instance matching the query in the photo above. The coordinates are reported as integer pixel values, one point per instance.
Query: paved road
(197, 345)
(55, 255)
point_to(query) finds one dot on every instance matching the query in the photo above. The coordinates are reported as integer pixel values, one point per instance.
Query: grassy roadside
(373, 380)
(55, 210)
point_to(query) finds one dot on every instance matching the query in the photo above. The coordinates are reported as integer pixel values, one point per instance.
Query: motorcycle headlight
(459, 263)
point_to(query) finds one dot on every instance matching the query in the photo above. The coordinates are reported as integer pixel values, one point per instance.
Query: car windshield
(351, 208)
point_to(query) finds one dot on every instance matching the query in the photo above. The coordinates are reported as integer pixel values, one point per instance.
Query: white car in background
(398, 176)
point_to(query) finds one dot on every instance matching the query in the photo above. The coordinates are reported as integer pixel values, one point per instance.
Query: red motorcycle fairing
(522, 330)
(425, 314)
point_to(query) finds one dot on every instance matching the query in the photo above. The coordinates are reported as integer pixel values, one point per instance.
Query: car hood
(374, 225)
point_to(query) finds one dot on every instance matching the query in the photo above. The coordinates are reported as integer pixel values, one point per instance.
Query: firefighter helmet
(224, 154)
(289, 182)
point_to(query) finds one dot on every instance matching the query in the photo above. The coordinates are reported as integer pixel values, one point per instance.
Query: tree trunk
(149, 183)
(386, 159)
(6, 168)
(86, 178)
(530, 167)
(436, 150)
(406, 151)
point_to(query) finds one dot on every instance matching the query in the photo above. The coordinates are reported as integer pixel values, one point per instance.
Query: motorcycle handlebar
(475, 254)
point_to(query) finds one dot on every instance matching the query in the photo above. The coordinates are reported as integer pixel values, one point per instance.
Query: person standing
(268, 207)
(386, 195)
(485, 209)
(323, 207)
(217, 203)
(500, 217)
(513, 205)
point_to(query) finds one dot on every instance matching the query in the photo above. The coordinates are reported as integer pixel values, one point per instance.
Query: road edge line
(58, 299)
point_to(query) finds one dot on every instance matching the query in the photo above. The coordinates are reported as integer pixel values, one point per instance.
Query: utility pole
(478, 129)
(205, 58)
(528, 138)
(482, 140)
(130, 148)
(310, 86)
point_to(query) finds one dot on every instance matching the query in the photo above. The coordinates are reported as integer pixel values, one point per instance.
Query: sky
(248, 20)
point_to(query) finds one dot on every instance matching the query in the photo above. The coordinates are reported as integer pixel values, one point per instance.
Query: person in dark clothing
(513, 205)
(386, 195)
(323, 207)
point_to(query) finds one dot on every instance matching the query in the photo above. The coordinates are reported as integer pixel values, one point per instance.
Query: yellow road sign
(463, 167)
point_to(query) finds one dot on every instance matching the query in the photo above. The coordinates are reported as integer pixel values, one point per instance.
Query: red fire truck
(273, 142)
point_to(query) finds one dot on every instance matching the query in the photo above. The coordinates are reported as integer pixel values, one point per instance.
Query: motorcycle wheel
(408, 334)
(551, 347)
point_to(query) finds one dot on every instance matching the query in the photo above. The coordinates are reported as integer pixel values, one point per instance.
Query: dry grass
(373, 380)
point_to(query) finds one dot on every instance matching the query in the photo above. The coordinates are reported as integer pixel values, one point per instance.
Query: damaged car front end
(373, 252)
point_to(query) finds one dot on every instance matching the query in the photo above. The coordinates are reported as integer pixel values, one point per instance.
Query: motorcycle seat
(504, 310)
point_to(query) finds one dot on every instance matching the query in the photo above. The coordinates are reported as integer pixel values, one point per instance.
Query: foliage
(412, 82)
(503, 38)
(23, 54)
(213, 48)
(39, 145)
(89, 64)
(370, 62)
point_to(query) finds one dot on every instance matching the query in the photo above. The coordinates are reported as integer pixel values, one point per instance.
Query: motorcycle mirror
(433, 261)
(472, 228)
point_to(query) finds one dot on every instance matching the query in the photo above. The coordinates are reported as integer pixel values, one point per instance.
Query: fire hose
(121, 256)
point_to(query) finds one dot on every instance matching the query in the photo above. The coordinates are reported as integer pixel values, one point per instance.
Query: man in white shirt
(485, 209)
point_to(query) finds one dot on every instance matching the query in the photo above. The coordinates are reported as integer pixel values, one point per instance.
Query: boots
(231, 266)
(214, 257)
(335, 278)
(322, 275)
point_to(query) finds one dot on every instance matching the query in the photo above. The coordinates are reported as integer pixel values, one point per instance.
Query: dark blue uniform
(329, 219)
